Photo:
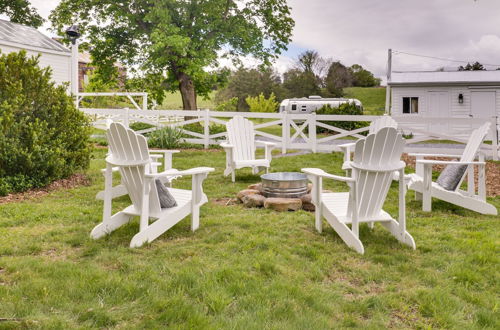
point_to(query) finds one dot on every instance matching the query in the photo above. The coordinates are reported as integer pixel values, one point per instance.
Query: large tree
(173, 41)
(337, 79)
(251, 82)
(362, 77)
(20, 11)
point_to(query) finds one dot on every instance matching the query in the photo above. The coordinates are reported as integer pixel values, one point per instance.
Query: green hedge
(43, 137)
(343, 109)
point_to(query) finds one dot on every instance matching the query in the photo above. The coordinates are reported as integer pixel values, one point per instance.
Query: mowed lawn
(244, 268)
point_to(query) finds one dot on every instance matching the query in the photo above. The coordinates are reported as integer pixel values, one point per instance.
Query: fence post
(312, 131)
(285, 132)
(494, 137)
(126, 120)
(145, 101)
(206, 129)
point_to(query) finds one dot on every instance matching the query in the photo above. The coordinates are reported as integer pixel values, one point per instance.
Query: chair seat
(181, 196)
(337, 204)
(252, 162)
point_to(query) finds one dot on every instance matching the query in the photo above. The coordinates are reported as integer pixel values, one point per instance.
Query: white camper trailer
(312, 103)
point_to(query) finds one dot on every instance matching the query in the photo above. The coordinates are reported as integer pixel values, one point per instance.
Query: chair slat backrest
(241, 135)
(375, 159)
(126, 145)
(384, 121)
(475, 140)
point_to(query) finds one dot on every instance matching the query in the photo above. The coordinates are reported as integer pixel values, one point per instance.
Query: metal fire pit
(284, 184)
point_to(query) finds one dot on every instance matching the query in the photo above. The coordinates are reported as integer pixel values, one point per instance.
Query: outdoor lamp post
(73, 35)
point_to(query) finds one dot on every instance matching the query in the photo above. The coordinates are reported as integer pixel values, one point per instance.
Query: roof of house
(445, 78)
(28, 36)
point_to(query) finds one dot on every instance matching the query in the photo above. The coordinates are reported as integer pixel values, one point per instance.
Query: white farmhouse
(445, 94)
(15, 37)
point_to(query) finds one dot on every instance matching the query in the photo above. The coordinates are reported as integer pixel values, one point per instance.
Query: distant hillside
(373, 98)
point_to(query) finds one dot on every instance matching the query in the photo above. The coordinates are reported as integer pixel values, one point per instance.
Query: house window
(410, 104)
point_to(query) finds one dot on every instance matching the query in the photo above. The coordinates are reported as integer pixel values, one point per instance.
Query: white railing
(298, 131)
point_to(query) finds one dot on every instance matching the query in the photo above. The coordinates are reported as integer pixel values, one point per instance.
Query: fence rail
(299, 131)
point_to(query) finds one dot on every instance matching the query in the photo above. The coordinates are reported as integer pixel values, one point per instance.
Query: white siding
(60, 64)
(457, 110)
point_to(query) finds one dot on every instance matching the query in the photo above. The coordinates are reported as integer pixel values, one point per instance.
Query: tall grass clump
(165, 138)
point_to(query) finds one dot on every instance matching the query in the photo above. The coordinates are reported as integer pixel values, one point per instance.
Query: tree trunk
(188, 93)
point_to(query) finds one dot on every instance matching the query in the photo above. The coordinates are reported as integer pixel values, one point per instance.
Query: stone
(256, 186)
(246, 192)
(283, 204)
(253, 200)
(309, 187)
(307, 204)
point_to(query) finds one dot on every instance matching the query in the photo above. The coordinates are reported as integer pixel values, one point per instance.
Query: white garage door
(483, 104)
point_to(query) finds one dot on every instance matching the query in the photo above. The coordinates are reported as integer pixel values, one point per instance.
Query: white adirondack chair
(130, 154)
(156, 157)
(421, 181)
(240, 148)
(375, 160)
(375, 126)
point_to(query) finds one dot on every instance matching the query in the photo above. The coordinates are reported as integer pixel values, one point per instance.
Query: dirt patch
(224, 201)
(492, 173)
(73, 181)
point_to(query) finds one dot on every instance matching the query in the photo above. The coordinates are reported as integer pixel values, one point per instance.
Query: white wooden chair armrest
(226, 145)
(347, 146)
(166, 154)
(447, 162)
(433, 155)
(266, 143)
(192, 171)
(323, 174)
(268, 148)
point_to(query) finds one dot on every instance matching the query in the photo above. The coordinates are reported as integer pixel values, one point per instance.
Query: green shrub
(343, 109)
(261, 104)
(229, 105)
(165, 138)
(139, 126)
(43, 137)
(197, 128)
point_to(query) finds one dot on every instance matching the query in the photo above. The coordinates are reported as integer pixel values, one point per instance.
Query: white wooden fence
(293, 132)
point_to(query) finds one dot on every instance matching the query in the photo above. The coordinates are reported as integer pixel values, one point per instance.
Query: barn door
(483, 104)
(439, 107)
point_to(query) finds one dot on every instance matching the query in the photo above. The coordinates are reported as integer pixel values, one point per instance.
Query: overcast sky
(361, 31)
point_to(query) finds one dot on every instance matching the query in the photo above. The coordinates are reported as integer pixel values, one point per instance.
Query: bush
(197, 128)
(343, 109)
(43, 137)
(139, 126)
(261, 104)
(165, 138)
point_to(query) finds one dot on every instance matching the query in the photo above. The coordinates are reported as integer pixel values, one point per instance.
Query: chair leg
(110, 225)
(418, 196)
(371, 225)
(233, 175)
(394, 227)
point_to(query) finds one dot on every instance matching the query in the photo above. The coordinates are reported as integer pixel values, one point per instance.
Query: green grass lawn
(244, 268)
(373, 98)
(173, 101)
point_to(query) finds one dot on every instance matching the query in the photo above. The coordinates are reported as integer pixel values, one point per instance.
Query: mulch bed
(492, 173)
(73, 181)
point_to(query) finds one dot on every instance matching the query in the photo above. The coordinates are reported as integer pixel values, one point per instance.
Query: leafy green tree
(20, 11)
(262, 104)
(173, 42)
(250, 82)
(337, 79)
(476, 66)
(300, 83)
(362, 77)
